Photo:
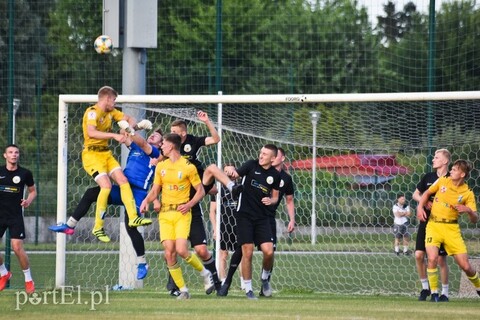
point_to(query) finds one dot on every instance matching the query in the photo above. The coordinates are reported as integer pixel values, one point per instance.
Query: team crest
(163, 172)
(443, 189)
(187, 148)
(282, 183)
(269, 179)
(16, 179)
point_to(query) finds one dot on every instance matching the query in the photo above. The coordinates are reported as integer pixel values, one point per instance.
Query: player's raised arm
(214, 136)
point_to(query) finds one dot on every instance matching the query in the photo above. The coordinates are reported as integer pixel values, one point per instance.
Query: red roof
(355, 165)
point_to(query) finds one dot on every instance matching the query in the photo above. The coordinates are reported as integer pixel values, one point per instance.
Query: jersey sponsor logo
(258, 185)
(16, 179)
(256, 172)
(460, 198)
(179, 175)
(9, 189)
(176, 187)
(2, 177)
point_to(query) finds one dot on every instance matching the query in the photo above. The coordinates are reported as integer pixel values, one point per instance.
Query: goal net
(367, 149)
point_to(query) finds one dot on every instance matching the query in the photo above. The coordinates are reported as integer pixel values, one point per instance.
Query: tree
(395, 25)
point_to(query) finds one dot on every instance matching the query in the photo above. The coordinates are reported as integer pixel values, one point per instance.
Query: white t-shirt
(398, 208)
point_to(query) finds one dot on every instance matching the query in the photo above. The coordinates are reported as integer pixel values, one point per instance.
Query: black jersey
(257, 184)
(285, 188)
(190, 150)
(12, 186)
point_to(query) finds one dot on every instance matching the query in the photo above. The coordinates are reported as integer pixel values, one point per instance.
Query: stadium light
(315, 116)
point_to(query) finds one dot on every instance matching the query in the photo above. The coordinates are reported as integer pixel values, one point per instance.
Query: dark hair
(10, 146)
(281, 150)
(464, 166)
(272, 147)
(174, 139)
(400, 195)
(159, 130)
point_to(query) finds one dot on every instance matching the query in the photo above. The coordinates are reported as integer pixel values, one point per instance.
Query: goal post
(365, 149)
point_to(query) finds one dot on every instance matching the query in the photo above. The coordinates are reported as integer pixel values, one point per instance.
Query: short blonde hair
(106, 90)
(445, 153)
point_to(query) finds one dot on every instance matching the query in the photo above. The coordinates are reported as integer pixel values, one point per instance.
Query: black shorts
(197, 229)
(16, 228)
(256, 231)
(420, 241)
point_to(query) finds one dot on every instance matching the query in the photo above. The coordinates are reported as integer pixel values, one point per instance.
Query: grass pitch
(144, 304)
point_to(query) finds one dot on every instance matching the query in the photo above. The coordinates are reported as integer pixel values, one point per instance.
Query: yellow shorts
(95, 162)
(174, 225)
(448, 234)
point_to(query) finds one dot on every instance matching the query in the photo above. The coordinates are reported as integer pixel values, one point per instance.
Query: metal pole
(314, 115)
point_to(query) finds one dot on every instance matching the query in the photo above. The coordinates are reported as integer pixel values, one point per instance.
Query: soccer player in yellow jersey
(174, 177)
(453, 197)
(98, 160)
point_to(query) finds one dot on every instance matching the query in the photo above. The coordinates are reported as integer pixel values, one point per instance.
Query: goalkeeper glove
(123, 124)
(144, 124)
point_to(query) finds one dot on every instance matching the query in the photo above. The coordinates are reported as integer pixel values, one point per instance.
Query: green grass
(145, 304)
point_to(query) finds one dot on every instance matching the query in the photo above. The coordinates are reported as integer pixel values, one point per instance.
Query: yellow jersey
(176, 179)
(447, 195)
(102, 121)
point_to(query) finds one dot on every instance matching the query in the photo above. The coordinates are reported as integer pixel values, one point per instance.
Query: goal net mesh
(366, 154)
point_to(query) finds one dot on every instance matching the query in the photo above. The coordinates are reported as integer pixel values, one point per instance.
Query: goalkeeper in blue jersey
(139, 170)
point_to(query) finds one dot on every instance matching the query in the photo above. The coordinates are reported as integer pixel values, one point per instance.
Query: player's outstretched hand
(123, 124)
(144, 124)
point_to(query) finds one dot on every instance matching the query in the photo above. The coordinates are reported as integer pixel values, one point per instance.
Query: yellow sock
(475, 280)
(100, 211)
(128, 201)
(194, 262)
(433, 279)
(176, 273)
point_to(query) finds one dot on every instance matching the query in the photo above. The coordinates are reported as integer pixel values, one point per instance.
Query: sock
(425, 285)
(28, 275)
(230, 185)
(445, 290)
(475, 280)
(3, 270)
(234, 262)
(177, 276)
(433, 279)
(248, 285)
(242, 283)
(397, 248)
(71, 222)
(210, 266)
(141, 259)
(128, 201)
(405, 249)
(265, 274)
(101, 209)
(195, 263)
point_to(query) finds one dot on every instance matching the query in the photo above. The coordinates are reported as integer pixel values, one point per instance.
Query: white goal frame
(64, 100)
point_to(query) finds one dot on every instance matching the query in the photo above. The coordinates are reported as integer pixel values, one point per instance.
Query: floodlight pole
(16, 106)
(315, 116)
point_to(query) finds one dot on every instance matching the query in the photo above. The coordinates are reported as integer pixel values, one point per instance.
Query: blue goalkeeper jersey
(138, 170)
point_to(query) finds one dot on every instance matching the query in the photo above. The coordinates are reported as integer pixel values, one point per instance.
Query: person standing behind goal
(98, 160)
(13, 180)
(440, 163)
(401, 212)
